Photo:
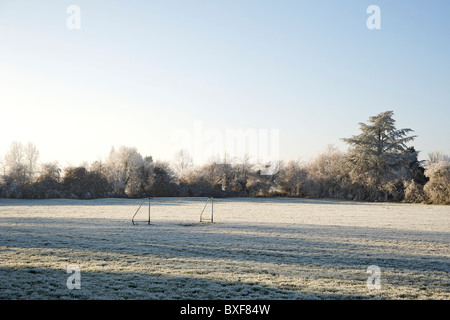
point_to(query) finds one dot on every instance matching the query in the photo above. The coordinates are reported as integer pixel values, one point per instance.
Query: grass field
(255, 249)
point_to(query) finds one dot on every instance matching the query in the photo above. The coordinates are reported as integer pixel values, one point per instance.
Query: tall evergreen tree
(379, 154)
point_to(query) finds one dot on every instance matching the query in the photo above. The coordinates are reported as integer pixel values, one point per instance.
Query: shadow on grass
(32, 283)
(319, 245)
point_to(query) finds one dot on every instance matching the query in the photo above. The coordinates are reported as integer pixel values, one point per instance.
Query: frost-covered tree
(182, 161)
(379, 154)
(212, 173)
(291, 178)
(129, 172)
(15, 154)
(16, 168)
(31, 157)
(99, 167)
(2, 166)
(50, 171)
(328, 175)
(437, 156)
(202, 180)
(242, 168)
(437, 189)
(21, 161)
(226, 169)
(414, 192)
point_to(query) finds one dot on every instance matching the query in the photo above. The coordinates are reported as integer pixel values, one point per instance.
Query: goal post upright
(149, 210)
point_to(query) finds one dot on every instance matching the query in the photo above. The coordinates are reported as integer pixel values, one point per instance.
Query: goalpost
(148, 222)
(211, 219)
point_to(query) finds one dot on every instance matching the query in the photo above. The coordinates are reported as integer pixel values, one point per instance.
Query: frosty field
(255, 249)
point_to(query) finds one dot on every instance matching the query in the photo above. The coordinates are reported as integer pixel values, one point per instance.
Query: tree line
(378, 166)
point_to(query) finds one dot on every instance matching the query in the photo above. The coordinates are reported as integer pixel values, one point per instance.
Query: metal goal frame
(210, 200)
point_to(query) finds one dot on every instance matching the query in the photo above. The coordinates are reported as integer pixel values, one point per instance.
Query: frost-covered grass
(255, 249)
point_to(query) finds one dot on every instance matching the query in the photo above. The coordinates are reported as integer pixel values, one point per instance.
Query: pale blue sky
(137, 71)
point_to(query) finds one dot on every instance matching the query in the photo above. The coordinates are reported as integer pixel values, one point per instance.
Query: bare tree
(182, 161)
(98, 166)
(15, 156)
(243, 166)
(15, 164)
(2, 166)
(227, 172)
(437, 156)
(291, 178)
(50, 171)
(31, 157)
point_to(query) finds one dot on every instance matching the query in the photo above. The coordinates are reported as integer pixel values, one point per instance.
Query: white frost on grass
(256, 249)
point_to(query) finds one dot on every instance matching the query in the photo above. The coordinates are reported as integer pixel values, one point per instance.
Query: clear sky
(138, 71)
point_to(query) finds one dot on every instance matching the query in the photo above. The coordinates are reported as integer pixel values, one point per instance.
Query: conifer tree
(379, 154)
